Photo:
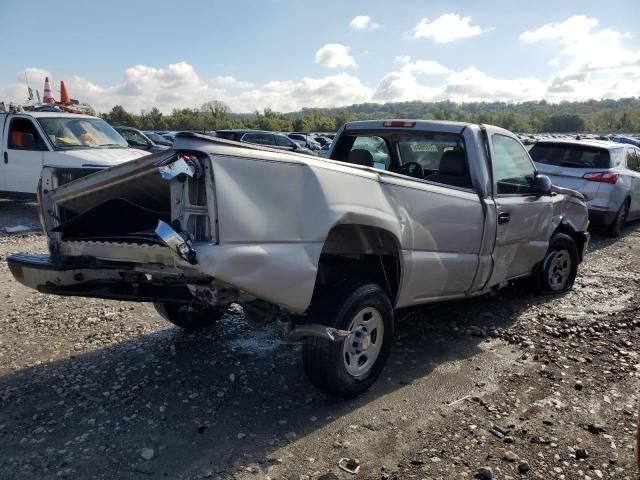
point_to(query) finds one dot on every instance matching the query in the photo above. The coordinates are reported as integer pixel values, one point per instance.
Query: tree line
(608, 116)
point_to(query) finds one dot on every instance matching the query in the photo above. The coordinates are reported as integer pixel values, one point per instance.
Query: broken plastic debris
(180, 166)
(349, 465)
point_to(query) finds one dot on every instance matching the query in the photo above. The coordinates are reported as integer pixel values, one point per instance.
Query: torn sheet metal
(179, 167)
(185, 164)
(176, 242)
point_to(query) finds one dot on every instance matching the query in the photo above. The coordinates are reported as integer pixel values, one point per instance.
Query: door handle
(6, 157)
(504, 217)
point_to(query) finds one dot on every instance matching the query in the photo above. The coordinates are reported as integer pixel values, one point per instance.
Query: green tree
(564, 123)
(118, 116)
(216, 114)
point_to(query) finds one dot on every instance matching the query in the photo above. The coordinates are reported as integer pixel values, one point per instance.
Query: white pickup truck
(33, 140)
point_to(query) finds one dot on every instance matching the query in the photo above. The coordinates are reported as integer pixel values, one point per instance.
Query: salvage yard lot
(105, 389)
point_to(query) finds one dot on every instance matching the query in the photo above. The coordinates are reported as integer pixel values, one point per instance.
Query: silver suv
(606, 173)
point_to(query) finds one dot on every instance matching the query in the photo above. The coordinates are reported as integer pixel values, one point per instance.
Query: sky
(292, 54)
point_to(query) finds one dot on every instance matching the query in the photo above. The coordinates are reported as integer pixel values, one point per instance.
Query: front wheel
(559, 268)
(348, 368)
(188, 316)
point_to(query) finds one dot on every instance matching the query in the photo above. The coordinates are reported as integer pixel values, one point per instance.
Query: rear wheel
(559, 268)
(188, 316)
(348, 368)
(615, 229)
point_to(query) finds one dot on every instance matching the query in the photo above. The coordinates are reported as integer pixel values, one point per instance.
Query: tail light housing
(604, 177)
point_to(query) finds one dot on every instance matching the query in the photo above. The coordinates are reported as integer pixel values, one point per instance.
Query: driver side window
(23, 135)
(370, 151)
(134, 138)
(512, 168)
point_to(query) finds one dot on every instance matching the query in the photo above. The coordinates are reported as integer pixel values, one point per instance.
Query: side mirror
(542, 185)
(294, 147)
(28, 140)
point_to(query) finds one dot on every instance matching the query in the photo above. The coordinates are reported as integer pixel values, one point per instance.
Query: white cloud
(403, 85)
(472, 85)
(334, 55)
(574, 27)
(179, 86)
(402, 59)
(554, 61)
(468, 85)
(447, 28)
(336, 90)
(598, 65)
(428, 67)
(231, 82)
(363, 22)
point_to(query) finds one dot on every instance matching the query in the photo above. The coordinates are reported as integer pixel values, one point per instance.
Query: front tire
(558, 270)
(188, 316)
(615, 229)
(348, 368)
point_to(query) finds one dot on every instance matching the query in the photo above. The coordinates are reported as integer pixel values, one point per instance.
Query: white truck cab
(32, 140)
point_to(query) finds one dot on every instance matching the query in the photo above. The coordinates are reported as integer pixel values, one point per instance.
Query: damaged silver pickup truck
(402, 213)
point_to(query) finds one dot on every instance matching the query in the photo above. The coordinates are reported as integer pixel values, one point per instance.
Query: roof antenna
(26, 79)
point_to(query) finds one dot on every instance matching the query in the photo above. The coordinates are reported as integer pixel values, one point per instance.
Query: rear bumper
(601, 217)
(98, 279)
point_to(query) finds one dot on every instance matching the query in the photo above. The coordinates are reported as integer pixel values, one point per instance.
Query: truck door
(524, 219)
(24, 155)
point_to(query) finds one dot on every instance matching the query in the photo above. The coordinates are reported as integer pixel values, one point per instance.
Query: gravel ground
(507, 386)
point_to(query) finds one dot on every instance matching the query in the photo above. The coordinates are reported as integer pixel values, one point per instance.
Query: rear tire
(188, 316)
(348, 368)
(557, 272)
(615, 229)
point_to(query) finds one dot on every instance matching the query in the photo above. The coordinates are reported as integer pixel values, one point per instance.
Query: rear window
(226, 135)
(428, 150)
(570, 155)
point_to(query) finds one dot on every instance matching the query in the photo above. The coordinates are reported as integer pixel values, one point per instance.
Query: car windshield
(570, 155)
(67, 133)
(155, 137)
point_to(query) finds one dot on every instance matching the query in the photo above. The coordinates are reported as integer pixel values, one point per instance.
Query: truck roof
(52, 114)
(408, 124)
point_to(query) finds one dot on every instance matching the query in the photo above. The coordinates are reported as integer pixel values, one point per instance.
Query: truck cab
(33, 140)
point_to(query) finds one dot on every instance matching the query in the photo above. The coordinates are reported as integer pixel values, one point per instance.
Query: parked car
(626, 140)
(322, 140)
(136, 139)
(304, 140)
(158, 139)
(266, 138)
(81, 144)
(324, 150)
(404, 213)
(606, 173)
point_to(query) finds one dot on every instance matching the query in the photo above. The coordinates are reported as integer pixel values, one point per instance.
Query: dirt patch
(520, 385)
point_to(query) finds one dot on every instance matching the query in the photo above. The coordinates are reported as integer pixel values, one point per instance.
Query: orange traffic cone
(48, 97)
(64, 96)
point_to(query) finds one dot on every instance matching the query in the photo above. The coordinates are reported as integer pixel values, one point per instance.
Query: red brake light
(399, 124)
(604, 177)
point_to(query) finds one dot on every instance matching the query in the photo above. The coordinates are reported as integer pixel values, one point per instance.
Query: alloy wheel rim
(559, 270)
(362, 347)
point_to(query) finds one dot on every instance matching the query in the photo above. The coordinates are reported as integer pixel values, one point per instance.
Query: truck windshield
(67, 133)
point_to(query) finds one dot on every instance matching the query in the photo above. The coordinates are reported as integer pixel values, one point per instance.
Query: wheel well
(578, 239)
(363, 252)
